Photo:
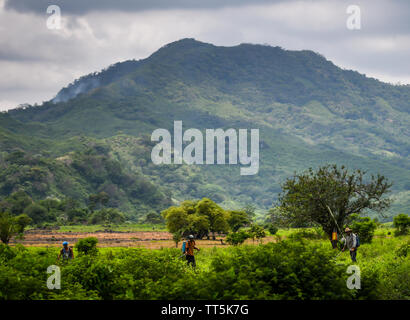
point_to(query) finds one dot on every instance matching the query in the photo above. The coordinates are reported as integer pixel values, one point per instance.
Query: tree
(217, 217)
(16, 203)
(107, 216)
(50, 204)
(153, 218)
(37, 213)
(176, 219)
(95, 200)
(402, 223)
(22, 221)
(257, 232)
(177, 238)
(11, 226)
(198, 225)
(280, 219)
(77, 215)
(250, 211)
(197, 218)
(328, 196)
(237, 219)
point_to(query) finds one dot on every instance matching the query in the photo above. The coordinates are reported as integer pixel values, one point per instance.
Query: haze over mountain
(95, 134)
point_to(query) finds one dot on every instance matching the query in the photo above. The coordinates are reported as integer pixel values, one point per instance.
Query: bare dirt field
(146, 239)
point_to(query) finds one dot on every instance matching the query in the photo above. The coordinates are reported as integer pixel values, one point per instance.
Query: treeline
(53, 211)
(77, 175)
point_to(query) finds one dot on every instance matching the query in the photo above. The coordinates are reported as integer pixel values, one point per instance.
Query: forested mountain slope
(308, 111)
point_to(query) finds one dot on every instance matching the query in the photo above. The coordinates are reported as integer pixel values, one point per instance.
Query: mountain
(308, 110)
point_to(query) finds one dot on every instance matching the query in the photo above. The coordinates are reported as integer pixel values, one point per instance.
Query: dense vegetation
(75, 177)
(289, 269)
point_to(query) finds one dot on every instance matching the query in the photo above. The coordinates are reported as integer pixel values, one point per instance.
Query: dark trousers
(191, 260)
(353, 255)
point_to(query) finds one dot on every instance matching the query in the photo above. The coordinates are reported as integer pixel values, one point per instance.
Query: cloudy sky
(36, 61)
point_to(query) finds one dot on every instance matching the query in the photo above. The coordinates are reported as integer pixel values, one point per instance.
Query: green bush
(402, 224)
(87, 246)
(271, 228)
(6, 253)
(365, 228)
(257, 231)
(238, 237)
(306, 234)
(283, 270)
(403, 250)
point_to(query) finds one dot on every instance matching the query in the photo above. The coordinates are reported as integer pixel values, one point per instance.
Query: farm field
(145, 235)
(145, 239)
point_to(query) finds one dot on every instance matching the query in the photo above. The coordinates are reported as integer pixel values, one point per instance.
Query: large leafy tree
(37, 212)
(176, 219)
(196, 217)
(329, 195)
(216, 216)
(238, 219)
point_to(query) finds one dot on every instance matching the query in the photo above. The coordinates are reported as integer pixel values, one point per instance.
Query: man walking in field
(66, 252)
(189, 251)
(351, 243)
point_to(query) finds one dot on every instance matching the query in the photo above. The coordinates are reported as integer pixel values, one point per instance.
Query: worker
(189, 251)
(351, 243)
(66, 252)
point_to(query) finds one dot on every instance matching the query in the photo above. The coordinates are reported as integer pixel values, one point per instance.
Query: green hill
(309, 112)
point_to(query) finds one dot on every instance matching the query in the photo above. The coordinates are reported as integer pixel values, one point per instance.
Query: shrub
(238, 237)
(6, 253)
(87, 246)
(403, 250)
(257, 232)
(306, 234)
(271, 228)
(284, 270)
(365, 228)
(395, 280)
(402, 224)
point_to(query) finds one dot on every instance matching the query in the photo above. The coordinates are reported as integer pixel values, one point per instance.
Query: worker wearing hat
(66, 252)
(189, 251)
(351, 244)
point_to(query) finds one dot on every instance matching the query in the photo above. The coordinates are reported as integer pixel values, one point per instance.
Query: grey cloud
(82, 6)
(35, 63)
